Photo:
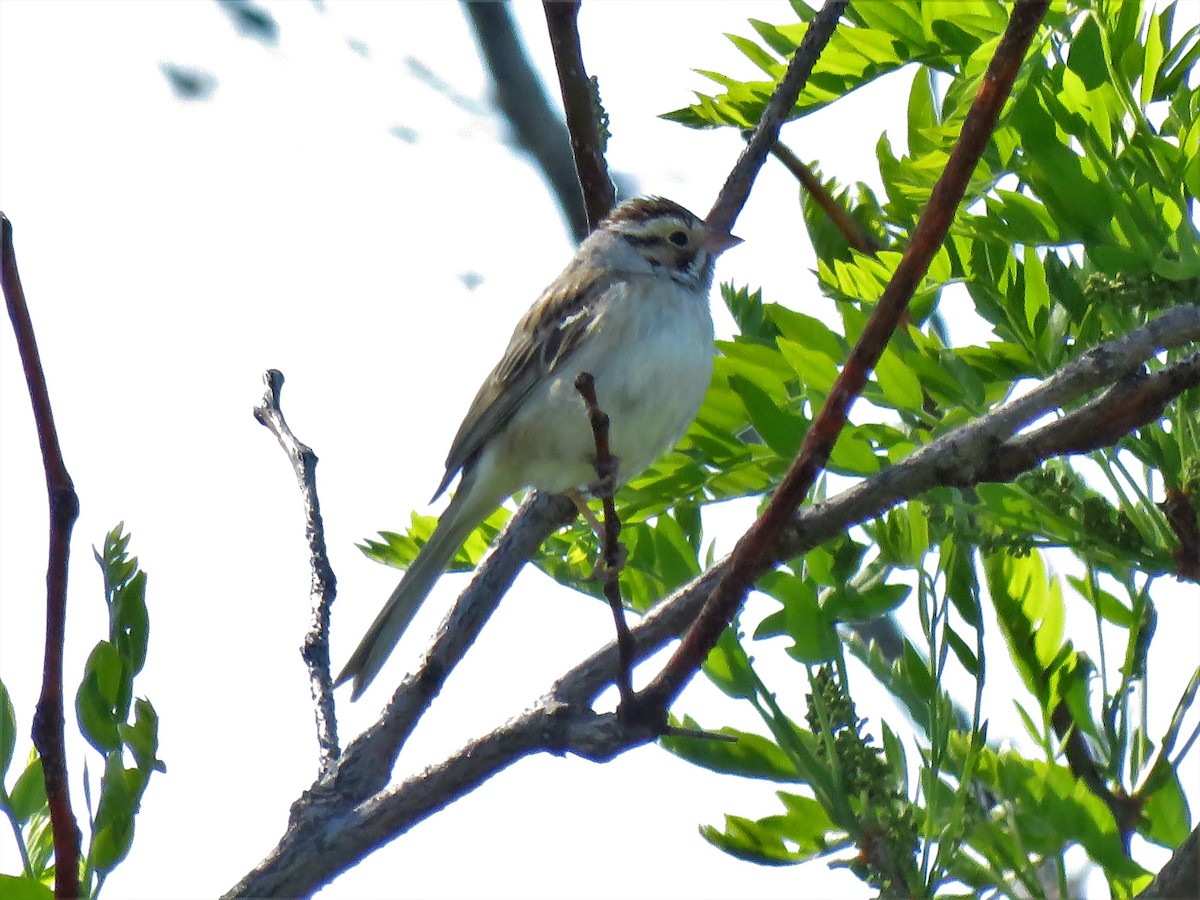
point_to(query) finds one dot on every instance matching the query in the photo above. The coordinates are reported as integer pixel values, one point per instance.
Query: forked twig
(315, 649)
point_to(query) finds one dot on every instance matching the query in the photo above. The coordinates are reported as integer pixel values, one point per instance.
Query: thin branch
(367, 761)
(48, 725)
(48, 720)
(315, 649)
(736, 189)
(523, 101)
(612, 551)
(757, 551)
(856, 236)
(579, 103)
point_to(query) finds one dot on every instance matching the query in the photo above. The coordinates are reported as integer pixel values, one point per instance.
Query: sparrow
(632, 309)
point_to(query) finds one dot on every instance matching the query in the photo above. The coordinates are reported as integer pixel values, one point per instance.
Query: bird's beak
(717, 242)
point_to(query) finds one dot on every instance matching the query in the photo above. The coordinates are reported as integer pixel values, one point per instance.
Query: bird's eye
(678, 238)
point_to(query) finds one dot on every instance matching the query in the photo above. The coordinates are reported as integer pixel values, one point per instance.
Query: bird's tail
(461, 516)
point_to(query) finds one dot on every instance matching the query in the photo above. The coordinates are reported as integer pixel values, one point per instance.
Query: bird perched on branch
(632, 309)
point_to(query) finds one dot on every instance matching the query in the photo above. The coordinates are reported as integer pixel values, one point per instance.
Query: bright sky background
(171, 252)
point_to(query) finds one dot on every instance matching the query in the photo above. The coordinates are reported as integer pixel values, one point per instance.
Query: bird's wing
(548, 333)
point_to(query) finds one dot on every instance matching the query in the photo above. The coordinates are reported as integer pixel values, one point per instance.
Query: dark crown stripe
(643, 209)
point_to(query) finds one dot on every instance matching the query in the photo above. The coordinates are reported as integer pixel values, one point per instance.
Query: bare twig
(48, 720)
(856, 236)
(523, 101)
(580, 107)
(315, 649)
(737, 186)
(757, 551)
(612, 551)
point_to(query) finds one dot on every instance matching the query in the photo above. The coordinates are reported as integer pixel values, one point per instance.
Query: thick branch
(48, 720)
(315, 649)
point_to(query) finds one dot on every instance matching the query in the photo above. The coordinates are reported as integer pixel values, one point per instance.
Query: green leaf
(780, 429)
(112, 834)
(142, 737)
(966, 656)
(1030, 611)
(130, 629)
(1107, 605)
(1152, 60)
(21, 887)
(848, 604)
(8, 731)
(900, 386)
(805, 831)
(39, 843)
(809, 332)
(902, 535)
(98, 697)
(760, 57)
(750, 756)
(962, 587)
(802, 618)
(816, 371)
(728, 667)
(29, 793)
(1050, 808)
(1165, 818)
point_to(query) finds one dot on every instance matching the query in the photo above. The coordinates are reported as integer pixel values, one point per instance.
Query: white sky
(171, 252)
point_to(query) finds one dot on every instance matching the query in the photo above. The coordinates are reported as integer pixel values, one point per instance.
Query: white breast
(652, 361)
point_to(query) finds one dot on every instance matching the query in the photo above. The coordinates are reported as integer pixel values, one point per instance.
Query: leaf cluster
(121, 728)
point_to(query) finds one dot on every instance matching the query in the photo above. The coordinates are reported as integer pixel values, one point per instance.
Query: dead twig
(315, 649)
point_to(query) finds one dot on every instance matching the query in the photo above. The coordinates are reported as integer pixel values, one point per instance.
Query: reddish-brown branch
(580, 108)
(48, 720)
(856, 236)
(757, 550)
